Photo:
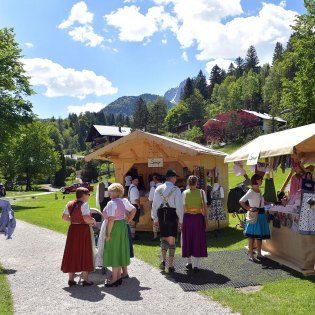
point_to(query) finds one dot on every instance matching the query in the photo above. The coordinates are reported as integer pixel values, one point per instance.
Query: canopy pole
(287, 180)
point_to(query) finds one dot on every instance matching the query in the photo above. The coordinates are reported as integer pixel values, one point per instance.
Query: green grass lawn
(6, 303)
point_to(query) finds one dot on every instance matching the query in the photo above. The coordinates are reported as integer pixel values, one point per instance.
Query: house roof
(113, 131)
(189, 147)
(279, 143)
(264, 115)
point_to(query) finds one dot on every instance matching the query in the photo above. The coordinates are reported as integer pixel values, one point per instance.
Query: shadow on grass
(18, 208)
(7, 271)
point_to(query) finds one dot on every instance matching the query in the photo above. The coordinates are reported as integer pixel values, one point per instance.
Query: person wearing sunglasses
(78, 253)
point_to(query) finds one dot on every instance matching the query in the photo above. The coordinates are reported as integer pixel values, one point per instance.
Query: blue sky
(82, 55)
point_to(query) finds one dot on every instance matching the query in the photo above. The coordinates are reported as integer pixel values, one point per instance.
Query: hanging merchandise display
(217, 211)
(270, 191)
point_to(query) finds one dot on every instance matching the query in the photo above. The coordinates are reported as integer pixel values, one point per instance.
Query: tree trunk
(28, 180)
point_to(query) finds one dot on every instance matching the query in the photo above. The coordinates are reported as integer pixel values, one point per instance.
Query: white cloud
(135, 26)
(164, 41)
(79, 13)
(85, 34)
(185, 56)
(60, 81)
(115, 50)
(218, 28)
(89, 107)
(222, 63)
(29, 45)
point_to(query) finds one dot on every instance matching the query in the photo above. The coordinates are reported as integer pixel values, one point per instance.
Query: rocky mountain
(126, 104)
(173, 94)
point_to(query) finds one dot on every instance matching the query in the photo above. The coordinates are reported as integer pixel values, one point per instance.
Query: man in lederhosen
(134, 199)
(167, 213)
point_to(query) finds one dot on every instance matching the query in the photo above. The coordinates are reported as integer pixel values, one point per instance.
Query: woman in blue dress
(258, 230)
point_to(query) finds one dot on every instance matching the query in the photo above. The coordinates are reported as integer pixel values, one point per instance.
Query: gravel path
(32, 259)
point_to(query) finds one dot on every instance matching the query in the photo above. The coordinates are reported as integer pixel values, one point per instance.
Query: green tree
(177, 115)
(35, 154)
(15, 109)
(239, 67)
(141, 115)
(278, 53)
(90, 171)
(251, 59)
(298, 95)
(233, 129)
(231, 69)
(196, 105)
(272, 91)
(200, 83)
(188, 89)
(195, 134)
(158, 112)
(61, 174)
(251, 91)
(216, 77)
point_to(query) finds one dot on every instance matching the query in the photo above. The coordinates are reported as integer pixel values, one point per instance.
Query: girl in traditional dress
(78, 254)
(117, 246)
(260, 229)
(194, 242)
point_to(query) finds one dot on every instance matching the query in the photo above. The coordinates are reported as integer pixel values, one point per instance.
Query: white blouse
(85, 209)
(255, 199)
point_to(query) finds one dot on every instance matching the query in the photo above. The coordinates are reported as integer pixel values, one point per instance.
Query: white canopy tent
(279, 143)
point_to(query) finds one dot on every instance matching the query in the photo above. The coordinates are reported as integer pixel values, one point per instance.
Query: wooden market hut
(150, 153)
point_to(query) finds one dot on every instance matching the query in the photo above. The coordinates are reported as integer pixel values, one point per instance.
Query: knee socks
(172, 249)
(155, 231)
(133, 230)
(164, 245)
(196, 262)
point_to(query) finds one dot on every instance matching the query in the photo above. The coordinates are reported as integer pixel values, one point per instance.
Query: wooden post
(287, 180)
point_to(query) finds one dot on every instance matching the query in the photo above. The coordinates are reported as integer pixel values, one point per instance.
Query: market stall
(292, 212)
(143, 153)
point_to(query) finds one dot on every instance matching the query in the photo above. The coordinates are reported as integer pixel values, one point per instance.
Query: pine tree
(127, 121)
(278, 53)
(239, 69)
(188, 89)
(196, 106)
(158, 112)
(61, 175)
(141, 115)
(251, 59)
(216, 77)
(231, 69)
(200, 83)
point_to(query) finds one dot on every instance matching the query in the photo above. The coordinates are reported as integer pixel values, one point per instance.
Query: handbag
(252, 216)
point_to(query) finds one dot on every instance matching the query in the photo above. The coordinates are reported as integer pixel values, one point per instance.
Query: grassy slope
(6, 303)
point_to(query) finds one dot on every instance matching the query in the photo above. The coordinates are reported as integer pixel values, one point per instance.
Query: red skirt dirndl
(78, 254)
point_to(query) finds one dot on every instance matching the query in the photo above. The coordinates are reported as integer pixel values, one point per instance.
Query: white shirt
(133, 194)
(128, 180)
(85, 209)
(216, 186)
(112, 206)
(175, 200)
(255, 199)
(152, 184)
(152, 190)
(202, 192)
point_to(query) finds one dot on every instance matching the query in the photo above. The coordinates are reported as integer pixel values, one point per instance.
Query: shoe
(162, 265)
(189, 266)
(253, 259)
(114, 284)
(87, 284)
(196, 269)
(135, 238)
(71, 283)
(120, 281)
(171, 269)
(125, 277)
(260, 257)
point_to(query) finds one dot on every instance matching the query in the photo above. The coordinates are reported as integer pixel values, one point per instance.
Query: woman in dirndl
(258, 230)
(78, 254)
(194, 241)
(117, 245)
